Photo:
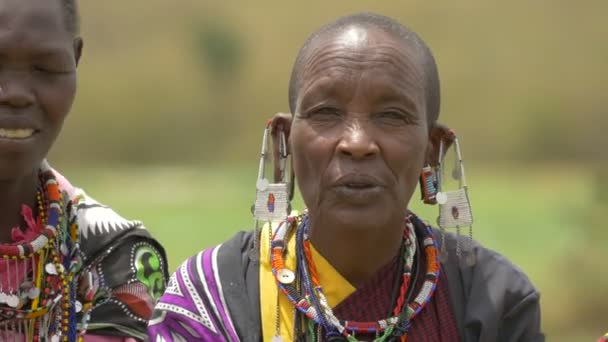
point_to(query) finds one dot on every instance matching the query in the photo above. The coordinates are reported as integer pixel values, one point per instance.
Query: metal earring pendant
(455, 207)
(272, 200)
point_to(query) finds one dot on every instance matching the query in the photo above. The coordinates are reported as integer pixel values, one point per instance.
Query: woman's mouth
(358, 189)
(16, 134)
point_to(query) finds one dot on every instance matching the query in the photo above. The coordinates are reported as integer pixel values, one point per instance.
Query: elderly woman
(356, 264)
(67, 263)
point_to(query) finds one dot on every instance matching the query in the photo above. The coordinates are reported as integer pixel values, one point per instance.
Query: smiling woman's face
(359, 135)
(38, 57)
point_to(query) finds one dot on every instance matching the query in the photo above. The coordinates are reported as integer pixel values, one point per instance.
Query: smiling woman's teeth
(16, 133)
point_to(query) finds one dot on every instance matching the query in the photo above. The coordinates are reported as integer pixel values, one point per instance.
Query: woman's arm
(129, 278)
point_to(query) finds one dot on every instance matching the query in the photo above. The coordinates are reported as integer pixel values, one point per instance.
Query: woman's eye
(41, 69)
(49, 69)
(396, 118)
(325, 111)
(324, 114)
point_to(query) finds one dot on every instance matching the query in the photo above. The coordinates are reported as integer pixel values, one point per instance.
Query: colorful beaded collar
(39, 296)
(306, 295)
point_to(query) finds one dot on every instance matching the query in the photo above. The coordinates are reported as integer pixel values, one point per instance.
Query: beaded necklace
(307, 297)
(39, 302)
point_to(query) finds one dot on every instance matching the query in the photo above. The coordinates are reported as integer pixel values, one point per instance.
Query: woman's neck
(13, 194)
(357, 254)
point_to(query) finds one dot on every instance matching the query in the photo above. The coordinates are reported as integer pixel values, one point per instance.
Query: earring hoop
(455, 206)
(273, 199)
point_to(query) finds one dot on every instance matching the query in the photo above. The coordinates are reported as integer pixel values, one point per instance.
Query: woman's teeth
(21, 133)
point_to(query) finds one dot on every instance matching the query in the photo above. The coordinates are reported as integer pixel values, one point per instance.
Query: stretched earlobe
(78, 46)
(281, 122)
(273, 198)
(441, 138)
(280, 128)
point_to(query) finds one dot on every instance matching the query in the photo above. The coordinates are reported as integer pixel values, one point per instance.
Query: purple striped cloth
(193, 307)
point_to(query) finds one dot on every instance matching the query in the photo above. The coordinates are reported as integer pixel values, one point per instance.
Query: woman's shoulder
(226, 265)
(487, 265)
(232, 253)
(215, 289)
(121, 256)
(491, 296)
(230, 262)
(100, 227)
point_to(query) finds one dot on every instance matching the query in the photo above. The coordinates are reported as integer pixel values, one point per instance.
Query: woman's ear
(280, 124)
(439, 133)
(78, 45)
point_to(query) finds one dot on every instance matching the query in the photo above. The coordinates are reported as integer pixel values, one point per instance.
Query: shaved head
(353, 28)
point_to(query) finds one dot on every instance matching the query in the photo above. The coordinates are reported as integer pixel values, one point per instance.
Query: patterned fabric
(97, 338)
(491, 301)
(127, 266)
(193, 307)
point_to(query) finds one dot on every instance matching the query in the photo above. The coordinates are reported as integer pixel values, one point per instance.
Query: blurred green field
(535, 216)
(517, 76)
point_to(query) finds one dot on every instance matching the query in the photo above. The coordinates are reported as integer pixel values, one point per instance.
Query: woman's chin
(360, 218)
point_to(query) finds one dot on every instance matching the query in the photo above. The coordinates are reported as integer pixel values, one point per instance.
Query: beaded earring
(428, 185)
(455, 206)
(272, 200)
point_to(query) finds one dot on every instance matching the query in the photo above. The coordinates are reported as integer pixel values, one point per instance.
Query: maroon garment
(372, 302)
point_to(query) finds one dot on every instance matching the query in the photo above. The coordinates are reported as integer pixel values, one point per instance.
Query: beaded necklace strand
(307, 297)
(40, 301)
(347, 327)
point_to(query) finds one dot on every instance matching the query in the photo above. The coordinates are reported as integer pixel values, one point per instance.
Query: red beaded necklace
(40, 299)
(308, 298)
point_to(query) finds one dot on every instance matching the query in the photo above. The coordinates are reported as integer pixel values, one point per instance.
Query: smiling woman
(67, 262)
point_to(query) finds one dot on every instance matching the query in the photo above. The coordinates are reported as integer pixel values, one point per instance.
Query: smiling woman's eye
(42, 68)
(52, 65)
(49, 69)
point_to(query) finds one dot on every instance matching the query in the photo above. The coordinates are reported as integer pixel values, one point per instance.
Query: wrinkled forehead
(357, 50)
(32, 18)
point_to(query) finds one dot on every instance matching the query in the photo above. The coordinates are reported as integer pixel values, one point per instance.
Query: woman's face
(359, 136)
(38, 58)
